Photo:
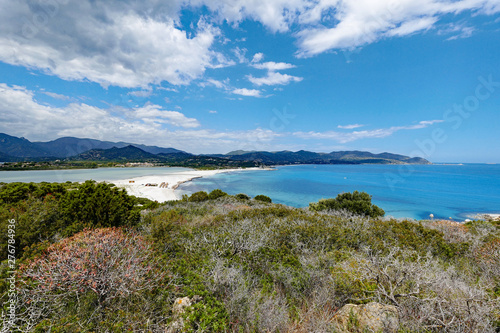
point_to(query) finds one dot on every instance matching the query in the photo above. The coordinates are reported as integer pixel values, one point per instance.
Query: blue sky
(205, 76)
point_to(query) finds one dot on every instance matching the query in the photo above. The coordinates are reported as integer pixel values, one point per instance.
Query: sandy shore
(485, 216)
(162, 187)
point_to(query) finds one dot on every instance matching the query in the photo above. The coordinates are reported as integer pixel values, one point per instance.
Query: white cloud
(137, 43)
(217, 83)
(22, 115)
(257, 57)
(57, 96)
(141, 93)
(247, 92)
(240, 54)
(352, 126)
(130, 44)
(152, 113)
(273, 78)
(344, 137)
(457, 30)
(212, 111)
(273, 66)
(360, 22)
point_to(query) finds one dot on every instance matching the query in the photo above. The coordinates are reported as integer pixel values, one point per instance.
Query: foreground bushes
(254, 266)
(45, 212)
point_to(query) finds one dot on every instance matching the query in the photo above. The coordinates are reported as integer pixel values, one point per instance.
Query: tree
(359, 203)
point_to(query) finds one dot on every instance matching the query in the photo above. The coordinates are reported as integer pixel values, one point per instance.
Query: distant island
(69, 152)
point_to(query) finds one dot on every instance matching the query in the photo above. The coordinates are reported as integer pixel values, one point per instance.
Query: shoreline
(163, 188)
(485, 216)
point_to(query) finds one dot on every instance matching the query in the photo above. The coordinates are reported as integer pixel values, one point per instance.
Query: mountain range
(13, 149)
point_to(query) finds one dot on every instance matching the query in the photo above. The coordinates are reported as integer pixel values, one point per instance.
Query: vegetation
(243, 265)
(263, 198)
(359, 203)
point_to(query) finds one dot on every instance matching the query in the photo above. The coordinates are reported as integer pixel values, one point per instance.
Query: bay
(412, 191)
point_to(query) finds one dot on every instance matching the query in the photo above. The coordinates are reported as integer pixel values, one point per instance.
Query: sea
(448, 191)
(455, 192)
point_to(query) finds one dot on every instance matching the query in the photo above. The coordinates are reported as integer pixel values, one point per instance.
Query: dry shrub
(108, 263)
(427, 294)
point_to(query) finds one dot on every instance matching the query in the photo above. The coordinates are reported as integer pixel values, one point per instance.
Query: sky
(419, 78)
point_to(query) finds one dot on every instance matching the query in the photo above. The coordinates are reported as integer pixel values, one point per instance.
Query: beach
(162, 188)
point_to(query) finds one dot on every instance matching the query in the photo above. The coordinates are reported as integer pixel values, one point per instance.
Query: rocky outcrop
(371, 317)
(178, 309)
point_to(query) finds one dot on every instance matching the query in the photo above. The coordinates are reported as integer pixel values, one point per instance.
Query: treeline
(98, 260)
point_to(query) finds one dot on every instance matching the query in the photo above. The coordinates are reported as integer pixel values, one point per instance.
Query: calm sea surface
(413, 191)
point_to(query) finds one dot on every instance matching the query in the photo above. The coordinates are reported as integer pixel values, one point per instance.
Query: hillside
(128, 154)
(307, 157)
(213, 262)
(65, 147)
(96, 150)
(21, 147)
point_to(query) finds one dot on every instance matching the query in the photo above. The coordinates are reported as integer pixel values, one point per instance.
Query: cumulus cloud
(360, 22)
(22, 115)
(273, 66)
(344, 137)
(128, 44)
(152, 113)
(137, 43)
(273, 78)
(247, 92)
(257, 57)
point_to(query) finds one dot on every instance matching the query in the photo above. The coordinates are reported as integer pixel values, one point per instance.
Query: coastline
(162, 188)
(485, 216)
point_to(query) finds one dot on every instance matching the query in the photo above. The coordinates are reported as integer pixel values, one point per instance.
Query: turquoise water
(413, 191)
(79, 175)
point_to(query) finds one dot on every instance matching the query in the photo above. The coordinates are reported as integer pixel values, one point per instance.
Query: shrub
(359, 203)
(98, 205)
(98, 264)
(215, 194)
(263, 198)
(198, 196)
(242, 196)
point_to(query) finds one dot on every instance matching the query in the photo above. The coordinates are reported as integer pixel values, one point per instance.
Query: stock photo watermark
(9, 306)
(38, 21)
(454, 116)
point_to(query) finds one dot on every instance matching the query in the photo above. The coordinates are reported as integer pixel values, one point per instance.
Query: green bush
(198, 196)
(242, 196)
(215, 194)
(263, 198)
(98, 205)
(359, 203)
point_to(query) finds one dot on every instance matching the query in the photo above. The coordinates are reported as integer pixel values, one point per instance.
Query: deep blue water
(413, 191)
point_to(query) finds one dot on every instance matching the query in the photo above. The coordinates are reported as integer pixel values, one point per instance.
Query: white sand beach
(485, 216)
(162, 188)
